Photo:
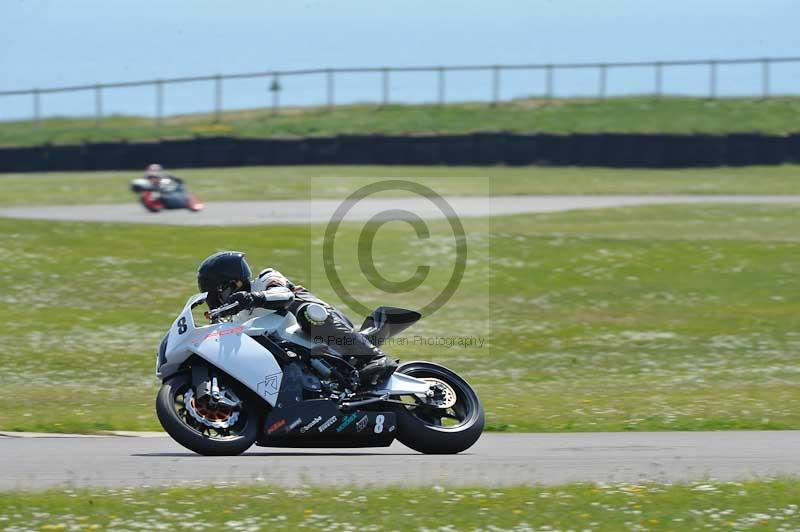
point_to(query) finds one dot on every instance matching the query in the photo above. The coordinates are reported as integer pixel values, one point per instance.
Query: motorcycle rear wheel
(184, 429)
(432, 430)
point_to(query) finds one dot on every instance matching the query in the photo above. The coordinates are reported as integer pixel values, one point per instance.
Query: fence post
(442, 87)
(712, 79)
(37, 115)
(658, 88)
(548, 82)
(495, 84)
(159, 103)
(98, 104)
(765, 78)
(217, 98)
(329, 76)
(275, 87)
(601, 82)
(385, 83)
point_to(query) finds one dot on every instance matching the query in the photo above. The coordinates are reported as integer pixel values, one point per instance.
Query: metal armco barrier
(613, 150)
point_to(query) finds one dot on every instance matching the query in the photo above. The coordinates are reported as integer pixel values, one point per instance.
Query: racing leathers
(167, 183)
(272, 290)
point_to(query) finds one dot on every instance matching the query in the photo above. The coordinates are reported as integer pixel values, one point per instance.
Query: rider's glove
(273, 278)
(273, 299)
(245, 300)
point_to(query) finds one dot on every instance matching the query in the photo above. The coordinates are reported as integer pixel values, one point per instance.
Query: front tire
(425, 428)
(148, 205)
(196, 437)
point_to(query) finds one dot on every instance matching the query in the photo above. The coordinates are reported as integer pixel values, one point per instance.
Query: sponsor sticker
(346, 422)
(330, 421)
(362, 423)
(223, 332)
(269, 386)
(295, 424)
(275, 426)
(310, 424)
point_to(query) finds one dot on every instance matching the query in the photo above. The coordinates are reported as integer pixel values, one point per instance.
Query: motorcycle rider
(161, 180)
(226, 277)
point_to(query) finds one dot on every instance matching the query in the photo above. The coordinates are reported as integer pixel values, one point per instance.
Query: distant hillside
(623, 115)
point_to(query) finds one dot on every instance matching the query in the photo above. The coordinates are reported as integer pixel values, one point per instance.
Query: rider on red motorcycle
(159, 179)
(159, 190)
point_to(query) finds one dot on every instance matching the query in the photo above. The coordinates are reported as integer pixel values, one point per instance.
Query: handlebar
(223, 310)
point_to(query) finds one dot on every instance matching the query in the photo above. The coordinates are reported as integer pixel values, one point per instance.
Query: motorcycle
(168, 195)
(243, 380)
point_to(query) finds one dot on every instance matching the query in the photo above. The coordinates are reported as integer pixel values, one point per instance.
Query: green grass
(646, 318)
(291, 182)
(761, 505)
(627, 115)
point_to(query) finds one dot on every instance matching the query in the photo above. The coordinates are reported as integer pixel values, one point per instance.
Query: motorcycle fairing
(172, 196)
(226, 346)
(229, 347)
(299, 426)
(284, 324)
(320, 422)
(242, 358)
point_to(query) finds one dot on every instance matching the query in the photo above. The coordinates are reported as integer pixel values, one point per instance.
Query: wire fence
(494, 82)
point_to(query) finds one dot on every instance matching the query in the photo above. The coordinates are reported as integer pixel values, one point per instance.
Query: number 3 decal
(182, 326)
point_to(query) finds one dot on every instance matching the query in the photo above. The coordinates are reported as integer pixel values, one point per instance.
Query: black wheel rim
(453, 418)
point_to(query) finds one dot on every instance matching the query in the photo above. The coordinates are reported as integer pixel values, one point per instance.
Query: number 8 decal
(182, 325)
(379, 423)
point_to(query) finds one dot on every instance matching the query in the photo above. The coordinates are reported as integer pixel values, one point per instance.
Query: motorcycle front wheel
(203, 428)
(449, 423)
(149, 204)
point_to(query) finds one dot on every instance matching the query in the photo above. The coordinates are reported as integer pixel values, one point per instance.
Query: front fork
(205, 383)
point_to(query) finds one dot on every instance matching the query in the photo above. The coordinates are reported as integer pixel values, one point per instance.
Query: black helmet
(222, 274)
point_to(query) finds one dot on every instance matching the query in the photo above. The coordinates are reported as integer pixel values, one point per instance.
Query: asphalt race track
(321, 211)
(497, 459)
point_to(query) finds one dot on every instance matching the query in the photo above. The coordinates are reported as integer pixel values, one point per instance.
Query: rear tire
(193, 439)
(421, 433)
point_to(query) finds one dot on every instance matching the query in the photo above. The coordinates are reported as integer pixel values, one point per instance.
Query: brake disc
(444, 396)
(222, 419)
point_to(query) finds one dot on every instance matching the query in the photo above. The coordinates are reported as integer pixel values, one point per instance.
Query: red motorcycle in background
(166, 192)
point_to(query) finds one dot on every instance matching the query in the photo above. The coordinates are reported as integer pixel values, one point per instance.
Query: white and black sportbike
(263, 380)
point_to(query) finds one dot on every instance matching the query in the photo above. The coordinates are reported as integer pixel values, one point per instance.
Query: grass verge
(302, 182)
(645, 318)
(624, 115)
(761, 505)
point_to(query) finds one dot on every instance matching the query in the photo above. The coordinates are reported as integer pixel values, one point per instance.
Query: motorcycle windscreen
(232, 351)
